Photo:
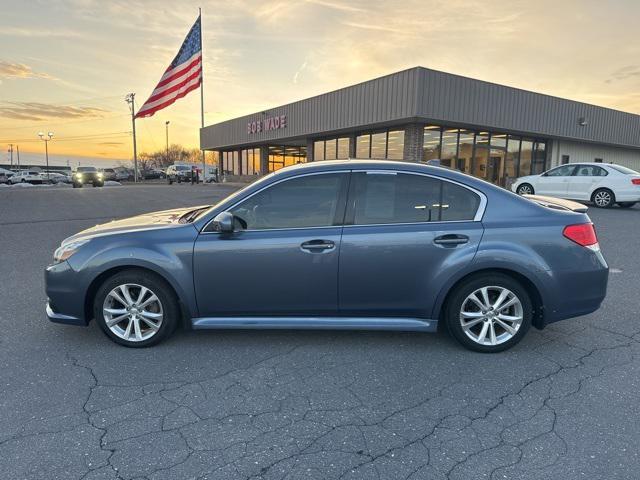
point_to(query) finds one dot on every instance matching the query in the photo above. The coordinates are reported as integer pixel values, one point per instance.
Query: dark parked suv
(337, 245)
(87, 175)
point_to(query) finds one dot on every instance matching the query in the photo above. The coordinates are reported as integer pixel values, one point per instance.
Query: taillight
(635, 181)
(583, 234)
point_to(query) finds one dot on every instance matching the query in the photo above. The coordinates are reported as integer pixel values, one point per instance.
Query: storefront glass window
(526, 153)
(512, 160)
(330, 147)
(498, 140)
(539, 158)
(482, 138)
(281, 156)
(395, 145)
(431, 143)
(318, 150)
(378, 145)
(465, 151)
(343, 148)
(449, 148)
(244, 155)
(363, 145)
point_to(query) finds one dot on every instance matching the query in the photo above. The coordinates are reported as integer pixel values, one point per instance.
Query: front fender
(166, 252)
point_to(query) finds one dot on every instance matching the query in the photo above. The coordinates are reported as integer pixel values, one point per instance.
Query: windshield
(86, 169)
(182, 167)
(625, 170)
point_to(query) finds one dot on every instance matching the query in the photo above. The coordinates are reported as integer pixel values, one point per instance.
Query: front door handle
(451, 240)
(317, 246)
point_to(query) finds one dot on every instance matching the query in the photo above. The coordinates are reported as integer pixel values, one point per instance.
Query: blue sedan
(337, 245)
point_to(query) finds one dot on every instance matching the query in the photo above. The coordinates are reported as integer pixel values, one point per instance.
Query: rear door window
(395, 197)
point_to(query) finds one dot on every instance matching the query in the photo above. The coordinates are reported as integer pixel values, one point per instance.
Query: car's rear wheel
(136, 309)
(525, 189)
(489, 313)
(626, 204)
(603, 198)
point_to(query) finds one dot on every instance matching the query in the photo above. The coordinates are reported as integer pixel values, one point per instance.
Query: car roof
(396, 165)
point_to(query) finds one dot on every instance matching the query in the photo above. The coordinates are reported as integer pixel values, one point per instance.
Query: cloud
(41, 111)
(37, 32)
(624, 73)
(20, 70)
(299, 71)
(111, 144)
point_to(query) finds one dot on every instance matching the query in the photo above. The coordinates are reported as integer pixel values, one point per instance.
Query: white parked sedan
(26, 176)
(601, 183)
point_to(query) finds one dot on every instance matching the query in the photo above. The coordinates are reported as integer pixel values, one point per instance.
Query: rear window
(625, 170)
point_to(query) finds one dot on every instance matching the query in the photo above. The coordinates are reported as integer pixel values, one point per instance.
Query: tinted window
(309, 201)
(590, 171)
(564, 171)
(384, 198)
(87, 169)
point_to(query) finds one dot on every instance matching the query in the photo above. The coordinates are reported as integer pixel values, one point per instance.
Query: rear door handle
(451, 240)
(317, 246)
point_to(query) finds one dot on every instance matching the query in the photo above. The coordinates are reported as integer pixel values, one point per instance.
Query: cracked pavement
(304, 405)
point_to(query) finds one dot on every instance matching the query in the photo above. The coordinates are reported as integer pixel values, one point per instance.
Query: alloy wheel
(491, 315)
(602, 198)
(524, 190)
(132, 312)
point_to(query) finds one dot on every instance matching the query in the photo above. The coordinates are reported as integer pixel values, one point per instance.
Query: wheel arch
(532, 289)
(104, 275)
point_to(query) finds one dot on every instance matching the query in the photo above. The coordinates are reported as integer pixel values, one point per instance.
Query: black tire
(457, 297)
(603, 198)
(77, 185)
(157, 285)
(169, 181)
(179, 178)
(525, 189)
(626, 204)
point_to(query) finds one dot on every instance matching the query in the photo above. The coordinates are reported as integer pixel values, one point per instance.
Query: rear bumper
(628, 195)
(577, 292)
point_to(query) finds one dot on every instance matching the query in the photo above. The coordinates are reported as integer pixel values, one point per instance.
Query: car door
(405, 234)
(555, 182)
(283, 257)
(585, 181)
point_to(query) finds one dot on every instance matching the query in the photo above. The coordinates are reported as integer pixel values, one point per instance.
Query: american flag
(183, 75)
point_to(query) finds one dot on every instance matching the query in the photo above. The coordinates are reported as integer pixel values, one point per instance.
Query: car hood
(146, 221)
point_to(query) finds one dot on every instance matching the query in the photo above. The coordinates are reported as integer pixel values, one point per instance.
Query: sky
(66, 65)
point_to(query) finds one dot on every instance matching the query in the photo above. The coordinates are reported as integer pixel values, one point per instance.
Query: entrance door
(283, 257)
(495, 167)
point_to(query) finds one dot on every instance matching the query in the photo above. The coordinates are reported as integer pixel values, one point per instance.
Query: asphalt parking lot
(564, 403)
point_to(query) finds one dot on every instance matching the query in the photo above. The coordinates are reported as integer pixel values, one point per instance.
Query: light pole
(166, 125)
(46, 139)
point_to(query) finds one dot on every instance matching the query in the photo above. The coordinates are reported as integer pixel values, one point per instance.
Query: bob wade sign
(267, 124)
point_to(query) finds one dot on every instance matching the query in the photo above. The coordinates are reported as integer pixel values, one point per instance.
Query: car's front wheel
(525, 189)
(136, 309)
(603, 198)
(489, 313)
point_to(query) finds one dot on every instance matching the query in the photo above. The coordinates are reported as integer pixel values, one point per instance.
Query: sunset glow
(66, 66)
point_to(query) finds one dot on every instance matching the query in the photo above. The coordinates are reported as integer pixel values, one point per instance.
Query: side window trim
(339, 210)
(350, 207)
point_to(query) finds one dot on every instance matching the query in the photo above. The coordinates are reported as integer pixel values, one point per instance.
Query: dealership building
(487, 130)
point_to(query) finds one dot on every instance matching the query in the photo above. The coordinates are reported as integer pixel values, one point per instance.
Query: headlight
(78, 175)
(99, 175)
(64, 252)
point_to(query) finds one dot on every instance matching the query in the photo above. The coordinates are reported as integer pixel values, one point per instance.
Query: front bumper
(61, 318)
(65, 295)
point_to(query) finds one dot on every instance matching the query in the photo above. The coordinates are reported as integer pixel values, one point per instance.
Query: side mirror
(223, 222)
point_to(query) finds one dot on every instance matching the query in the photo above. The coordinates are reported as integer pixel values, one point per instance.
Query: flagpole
(202, 92)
